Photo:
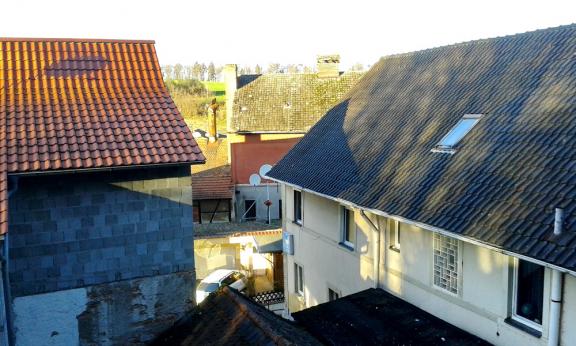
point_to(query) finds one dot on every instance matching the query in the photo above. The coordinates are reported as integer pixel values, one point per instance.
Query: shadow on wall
(108, 233)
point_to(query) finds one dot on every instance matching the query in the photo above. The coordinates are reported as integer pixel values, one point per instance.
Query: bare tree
(211, 72)
(273, 68)
(258, 69)
(167, 72)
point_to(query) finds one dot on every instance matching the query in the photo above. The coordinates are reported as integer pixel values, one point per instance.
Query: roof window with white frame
(449, 141)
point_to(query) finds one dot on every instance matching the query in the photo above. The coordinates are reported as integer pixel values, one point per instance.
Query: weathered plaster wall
(76, 230)
(129, 312)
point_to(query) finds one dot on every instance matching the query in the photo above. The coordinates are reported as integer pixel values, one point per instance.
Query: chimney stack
(212, 133)
(230, 73)
(328, 66)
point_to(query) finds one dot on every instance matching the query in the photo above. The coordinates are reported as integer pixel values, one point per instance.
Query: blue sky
(265, 31)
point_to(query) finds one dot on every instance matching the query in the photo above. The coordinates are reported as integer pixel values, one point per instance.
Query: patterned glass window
(446, 263)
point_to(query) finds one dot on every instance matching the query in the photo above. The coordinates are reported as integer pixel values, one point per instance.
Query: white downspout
(556, 290)
(376, 248)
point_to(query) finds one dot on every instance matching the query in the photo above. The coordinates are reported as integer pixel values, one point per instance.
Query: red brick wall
(248, 157)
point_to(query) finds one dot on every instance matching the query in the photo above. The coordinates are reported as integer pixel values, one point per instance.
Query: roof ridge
(260, 322)
(476, 41)
(81, 40)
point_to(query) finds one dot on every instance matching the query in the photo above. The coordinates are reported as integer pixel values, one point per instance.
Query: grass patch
(218, 89)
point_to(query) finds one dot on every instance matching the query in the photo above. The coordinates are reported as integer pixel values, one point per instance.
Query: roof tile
(58, 95)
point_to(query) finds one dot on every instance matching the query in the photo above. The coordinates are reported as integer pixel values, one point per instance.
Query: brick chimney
(230, 73)
(328, 66)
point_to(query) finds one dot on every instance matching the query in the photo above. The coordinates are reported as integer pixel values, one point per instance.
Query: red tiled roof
(216, 187)
(213, 180)
(78, 104)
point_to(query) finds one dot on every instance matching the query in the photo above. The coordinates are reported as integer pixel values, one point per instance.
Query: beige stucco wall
(326, 264)
(215, 253)
(480, 307)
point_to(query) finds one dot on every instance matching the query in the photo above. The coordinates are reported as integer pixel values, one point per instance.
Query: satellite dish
(255, 180)
(264, 170)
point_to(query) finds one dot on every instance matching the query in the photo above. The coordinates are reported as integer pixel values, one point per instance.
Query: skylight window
(458, 132)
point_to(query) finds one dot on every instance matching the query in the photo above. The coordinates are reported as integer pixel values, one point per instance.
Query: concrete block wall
(76, 230)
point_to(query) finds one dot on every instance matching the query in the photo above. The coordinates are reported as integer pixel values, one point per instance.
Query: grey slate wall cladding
(82, 229)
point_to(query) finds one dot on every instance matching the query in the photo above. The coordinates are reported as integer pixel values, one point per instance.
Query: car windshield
(208, 286)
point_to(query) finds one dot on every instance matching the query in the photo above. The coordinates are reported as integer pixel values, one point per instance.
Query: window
(280, 209)
(528, 293)
(249, 209)
(348, 228)
(298, 207)
(333, 294)
(298, 279)
(394, 234)
(211, 210)
(446, 266)
(457, 133)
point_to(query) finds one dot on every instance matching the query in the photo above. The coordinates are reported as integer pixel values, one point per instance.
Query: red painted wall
(248, 157)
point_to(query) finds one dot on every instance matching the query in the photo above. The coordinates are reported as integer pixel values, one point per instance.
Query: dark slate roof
(228, 318)
(286, 103)
(375, 317)
(507, 175)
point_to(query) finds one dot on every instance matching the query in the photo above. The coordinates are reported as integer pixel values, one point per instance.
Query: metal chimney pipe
(558, 221)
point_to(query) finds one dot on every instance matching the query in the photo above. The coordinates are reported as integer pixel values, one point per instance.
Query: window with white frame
(298, 279)
(348, 227)
(446, 267)
(297, 206)
(464, 125)
(528, 294)
(394, 234)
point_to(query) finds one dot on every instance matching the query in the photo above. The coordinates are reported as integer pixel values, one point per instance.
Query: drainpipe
(556, 291)
(376, 237)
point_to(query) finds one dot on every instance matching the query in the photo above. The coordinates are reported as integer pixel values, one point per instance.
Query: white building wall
(568, 323)
(325, 262)
(481, 306)
(49, 319)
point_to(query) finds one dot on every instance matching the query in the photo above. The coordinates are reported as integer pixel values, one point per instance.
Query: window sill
(394, 248)
(297, 223)
(347, 246)
(523, 327)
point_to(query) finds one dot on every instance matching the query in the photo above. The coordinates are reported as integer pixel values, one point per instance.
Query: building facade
(266, 116)
(477, 292)
(445, 178)
(96, 216)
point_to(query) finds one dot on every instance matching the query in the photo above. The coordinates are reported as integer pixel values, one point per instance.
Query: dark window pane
(297, 206)
(280, 209)
(530, 291)
(250, 209)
